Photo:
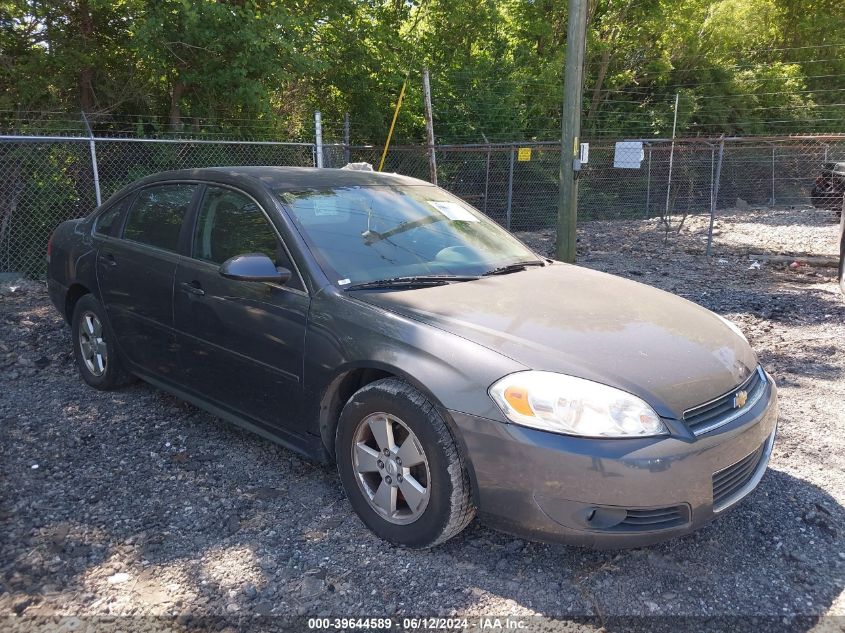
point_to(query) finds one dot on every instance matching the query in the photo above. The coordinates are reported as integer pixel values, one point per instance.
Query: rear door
(241, 342)
(135, 272)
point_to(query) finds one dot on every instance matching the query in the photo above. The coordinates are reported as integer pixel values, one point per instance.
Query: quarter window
(156, 217)
(108, 223)
(231, 224)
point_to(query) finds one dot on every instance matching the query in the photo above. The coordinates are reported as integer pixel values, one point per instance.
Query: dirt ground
(132, 503)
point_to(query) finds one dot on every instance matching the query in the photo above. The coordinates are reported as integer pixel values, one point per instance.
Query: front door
(135, 272)
(241, 342)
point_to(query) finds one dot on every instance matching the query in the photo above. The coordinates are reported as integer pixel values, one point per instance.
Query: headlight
(574, 406)
(735, 329)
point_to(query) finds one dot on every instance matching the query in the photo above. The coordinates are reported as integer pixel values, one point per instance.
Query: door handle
(192, 287)
(108, 259)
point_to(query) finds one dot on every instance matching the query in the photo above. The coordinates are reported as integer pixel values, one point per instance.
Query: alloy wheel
(391, 468)
(95, 353)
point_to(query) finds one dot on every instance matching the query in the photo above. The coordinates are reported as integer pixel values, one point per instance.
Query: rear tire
(94, 347)
(418, 503)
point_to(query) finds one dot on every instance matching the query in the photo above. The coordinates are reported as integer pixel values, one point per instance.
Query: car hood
(562, 318)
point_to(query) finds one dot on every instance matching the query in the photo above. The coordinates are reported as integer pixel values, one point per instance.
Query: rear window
(157, 214)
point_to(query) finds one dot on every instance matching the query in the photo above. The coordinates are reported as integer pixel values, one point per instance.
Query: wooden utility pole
(567, 210)
(429, 126)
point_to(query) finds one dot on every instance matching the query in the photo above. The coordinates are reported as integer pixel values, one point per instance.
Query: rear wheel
(400, 466)
(94, 346)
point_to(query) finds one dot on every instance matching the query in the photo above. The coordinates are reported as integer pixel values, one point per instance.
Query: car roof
(288, 178)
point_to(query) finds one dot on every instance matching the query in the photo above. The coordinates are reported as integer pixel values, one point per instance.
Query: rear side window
(108, 223)
(231, 224)
(156, 216)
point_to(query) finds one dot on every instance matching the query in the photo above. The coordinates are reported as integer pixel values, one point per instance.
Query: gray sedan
(380, 323)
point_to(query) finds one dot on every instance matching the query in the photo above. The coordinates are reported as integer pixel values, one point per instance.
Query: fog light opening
(602, 518)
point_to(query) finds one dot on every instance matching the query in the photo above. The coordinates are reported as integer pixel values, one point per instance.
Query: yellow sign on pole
(524, 154)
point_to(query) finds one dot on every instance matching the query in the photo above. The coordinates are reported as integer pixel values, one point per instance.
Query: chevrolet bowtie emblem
(740, 398)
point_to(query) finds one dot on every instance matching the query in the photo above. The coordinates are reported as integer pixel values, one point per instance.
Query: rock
(266, 494)
(263, 608)
(184, 616)
(118, 578)
(20, 604)
(311, 586)
(249, 590)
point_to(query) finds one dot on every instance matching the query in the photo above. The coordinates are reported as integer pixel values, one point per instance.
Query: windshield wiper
(415, 281)
(513, 268)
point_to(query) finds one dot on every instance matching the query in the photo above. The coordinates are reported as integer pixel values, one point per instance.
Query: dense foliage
(261, 68)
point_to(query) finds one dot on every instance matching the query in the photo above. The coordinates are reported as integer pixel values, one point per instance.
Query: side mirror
(253, 267)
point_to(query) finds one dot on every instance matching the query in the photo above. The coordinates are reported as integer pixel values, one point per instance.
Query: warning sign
(524, 154)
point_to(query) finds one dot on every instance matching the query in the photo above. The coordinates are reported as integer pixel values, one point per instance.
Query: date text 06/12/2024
(435, 624)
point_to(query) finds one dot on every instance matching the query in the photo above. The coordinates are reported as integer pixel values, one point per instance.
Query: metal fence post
(487, 180)
(715, 197)
(773, 175)
(318, 137)
(510, 190)
(712, 167)
(94, 169)
(648, 187)
(346, 153)
(671, 161)
(429, 127)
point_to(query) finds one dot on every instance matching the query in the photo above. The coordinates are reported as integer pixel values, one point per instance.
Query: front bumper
(614, 493)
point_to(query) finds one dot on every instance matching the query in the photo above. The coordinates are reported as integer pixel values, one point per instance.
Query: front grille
(728, 481)
(723, 409)
(653, 519)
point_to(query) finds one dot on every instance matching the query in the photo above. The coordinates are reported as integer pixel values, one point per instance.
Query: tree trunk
(85, 78)
(596, 98)
(176, 93)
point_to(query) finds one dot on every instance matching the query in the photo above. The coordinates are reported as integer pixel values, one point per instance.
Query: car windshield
(368, 233)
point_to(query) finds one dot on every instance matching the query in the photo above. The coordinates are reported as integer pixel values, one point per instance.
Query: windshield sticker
(343, 282)
(453, 211)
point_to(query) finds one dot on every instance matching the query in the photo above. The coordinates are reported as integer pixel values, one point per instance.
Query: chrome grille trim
(757, 380)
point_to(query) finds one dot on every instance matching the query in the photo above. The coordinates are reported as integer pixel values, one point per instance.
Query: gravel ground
(132, 503)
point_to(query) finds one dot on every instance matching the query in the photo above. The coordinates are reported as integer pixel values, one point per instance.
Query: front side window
(232, 224)
(156, 217)
(367, 233)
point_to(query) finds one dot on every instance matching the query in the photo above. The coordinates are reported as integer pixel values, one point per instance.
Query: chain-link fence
(45, 180)
(517, 184)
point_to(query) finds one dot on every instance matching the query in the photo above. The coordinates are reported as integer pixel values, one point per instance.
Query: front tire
(94, 346)
(400, 466)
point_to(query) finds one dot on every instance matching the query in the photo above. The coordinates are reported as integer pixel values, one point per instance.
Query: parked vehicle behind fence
(378, 322)
(829, 188)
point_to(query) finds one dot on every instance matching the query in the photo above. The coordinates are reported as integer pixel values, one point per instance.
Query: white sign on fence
(628, 154)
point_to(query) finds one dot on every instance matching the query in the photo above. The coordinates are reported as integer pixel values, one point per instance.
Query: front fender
(345, 335)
